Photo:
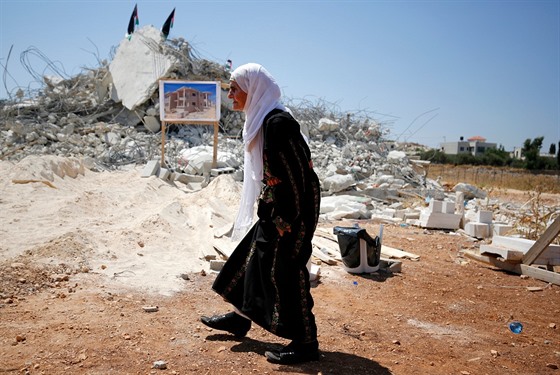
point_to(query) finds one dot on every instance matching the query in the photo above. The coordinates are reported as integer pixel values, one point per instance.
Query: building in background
(475, 146)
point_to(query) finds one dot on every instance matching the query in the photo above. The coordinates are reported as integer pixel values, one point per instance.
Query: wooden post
(460, 207)
(542, 243)
(215, 154)
(163, 130)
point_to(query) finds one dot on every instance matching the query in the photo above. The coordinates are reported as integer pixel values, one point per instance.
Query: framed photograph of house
(190, 102)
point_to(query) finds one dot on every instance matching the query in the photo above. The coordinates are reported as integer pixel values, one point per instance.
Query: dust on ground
(73, 299)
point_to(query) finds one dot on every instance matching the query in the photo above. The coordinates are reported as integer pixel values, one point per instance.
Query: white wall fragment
(138, 65)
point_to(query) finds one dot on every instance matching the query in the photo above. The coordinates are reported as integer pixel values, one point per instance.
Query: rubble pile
(109, 117)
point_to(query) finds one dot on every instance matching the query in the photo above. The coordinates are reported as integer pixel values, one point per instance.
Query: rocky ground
(443, 314)
(82, 311)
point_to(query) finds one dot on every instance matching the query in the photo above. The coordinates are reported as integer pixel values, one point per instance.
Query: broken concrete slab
(338, 182)
(138, 65)
(328, 125)
(344, 206)
(197, 160)
(512, 249)
(470, 191)
(188, 178)
(500, 229)
(152, 124)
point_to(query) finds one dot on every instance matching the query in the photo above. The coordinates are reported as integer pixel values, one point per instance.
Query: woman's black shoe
(294, 353)
(230, 322)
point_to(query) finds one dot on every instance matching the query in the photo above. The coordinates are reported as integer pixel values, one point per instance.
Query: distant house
(475, 146)
(517, 153)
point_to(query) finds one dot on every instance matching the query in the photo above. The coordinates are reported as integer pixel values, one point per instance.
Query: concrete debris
(439, 215)
(150, 308)
(326, 124)
(160, 365)
(107, 118)
(338, 182)
(512, 249)
(144, 58)
(470, 191)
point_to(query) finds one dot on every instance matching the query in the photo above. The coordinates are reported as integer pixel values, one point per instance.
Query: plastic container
(359, 251)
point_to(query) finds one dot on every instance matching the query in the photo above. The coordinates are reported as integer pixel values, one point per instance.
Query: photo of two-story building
(189, 101)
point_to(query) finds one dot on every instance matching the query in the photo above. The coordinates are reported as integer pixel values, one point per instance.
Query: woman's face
(238, 96)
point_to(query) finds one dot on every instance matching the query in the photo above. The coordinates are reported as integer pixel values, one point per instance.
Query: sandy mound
(141, 233)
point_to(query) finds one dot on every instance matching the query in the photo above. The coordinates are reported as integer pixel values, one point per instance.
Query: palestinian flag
(166, 28)
(133, 22)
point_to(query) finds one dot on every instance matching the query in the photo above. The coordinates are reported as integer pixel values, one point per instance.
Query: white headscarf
(263, 95)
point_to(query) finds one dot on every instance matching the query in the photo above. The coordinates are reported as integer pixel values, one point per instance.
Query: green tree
(558, 157)
(435, 156)
(495, 157)
(531, 150)
(466, 159)
(552, 149)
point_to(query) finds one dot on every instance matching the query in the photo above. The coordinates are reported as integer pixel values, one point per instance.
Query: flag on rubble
(166, 28)
(228, 65)
(133, 22)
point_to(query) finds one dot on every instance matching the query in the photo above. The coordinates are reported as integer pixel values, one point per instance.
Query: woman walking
(266, 278)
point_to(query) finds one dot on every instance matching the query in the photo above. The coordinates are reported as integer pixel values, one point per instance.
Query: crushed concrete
(108, 118)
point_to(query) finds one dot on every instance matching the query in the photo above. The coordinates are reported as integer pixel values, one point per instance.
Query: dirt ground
(442, 314)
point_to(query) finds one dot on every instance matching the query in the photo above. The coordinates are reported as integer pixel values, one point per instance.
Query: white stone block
(411, 215)
(152, 124)
(164, 173)
(440, 220)
(485, 217)
(389, 212)
(314, 272)
(477, 230)
(448, 207)
(501, 229)
(400, 214)
(219, 171)
(217, 264)
(435, 206)
(151, 168)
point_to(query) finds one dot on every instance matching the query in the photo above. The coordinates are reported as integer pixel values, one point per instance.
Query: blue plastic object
(516, 327)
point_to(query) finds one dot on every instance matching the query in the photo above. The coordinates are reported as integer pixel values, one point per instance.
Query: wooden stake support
(180, 94)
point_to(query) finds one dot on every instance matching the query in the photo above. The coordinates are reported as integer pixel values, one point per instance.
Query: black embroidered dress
(266, 277)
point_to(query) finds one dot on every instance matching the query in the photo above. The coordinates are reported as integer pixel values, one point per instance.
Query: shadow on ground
(330, 363)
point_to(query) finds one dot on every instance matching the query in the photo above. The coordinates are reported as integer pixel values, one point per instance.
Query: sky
(430, 71)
